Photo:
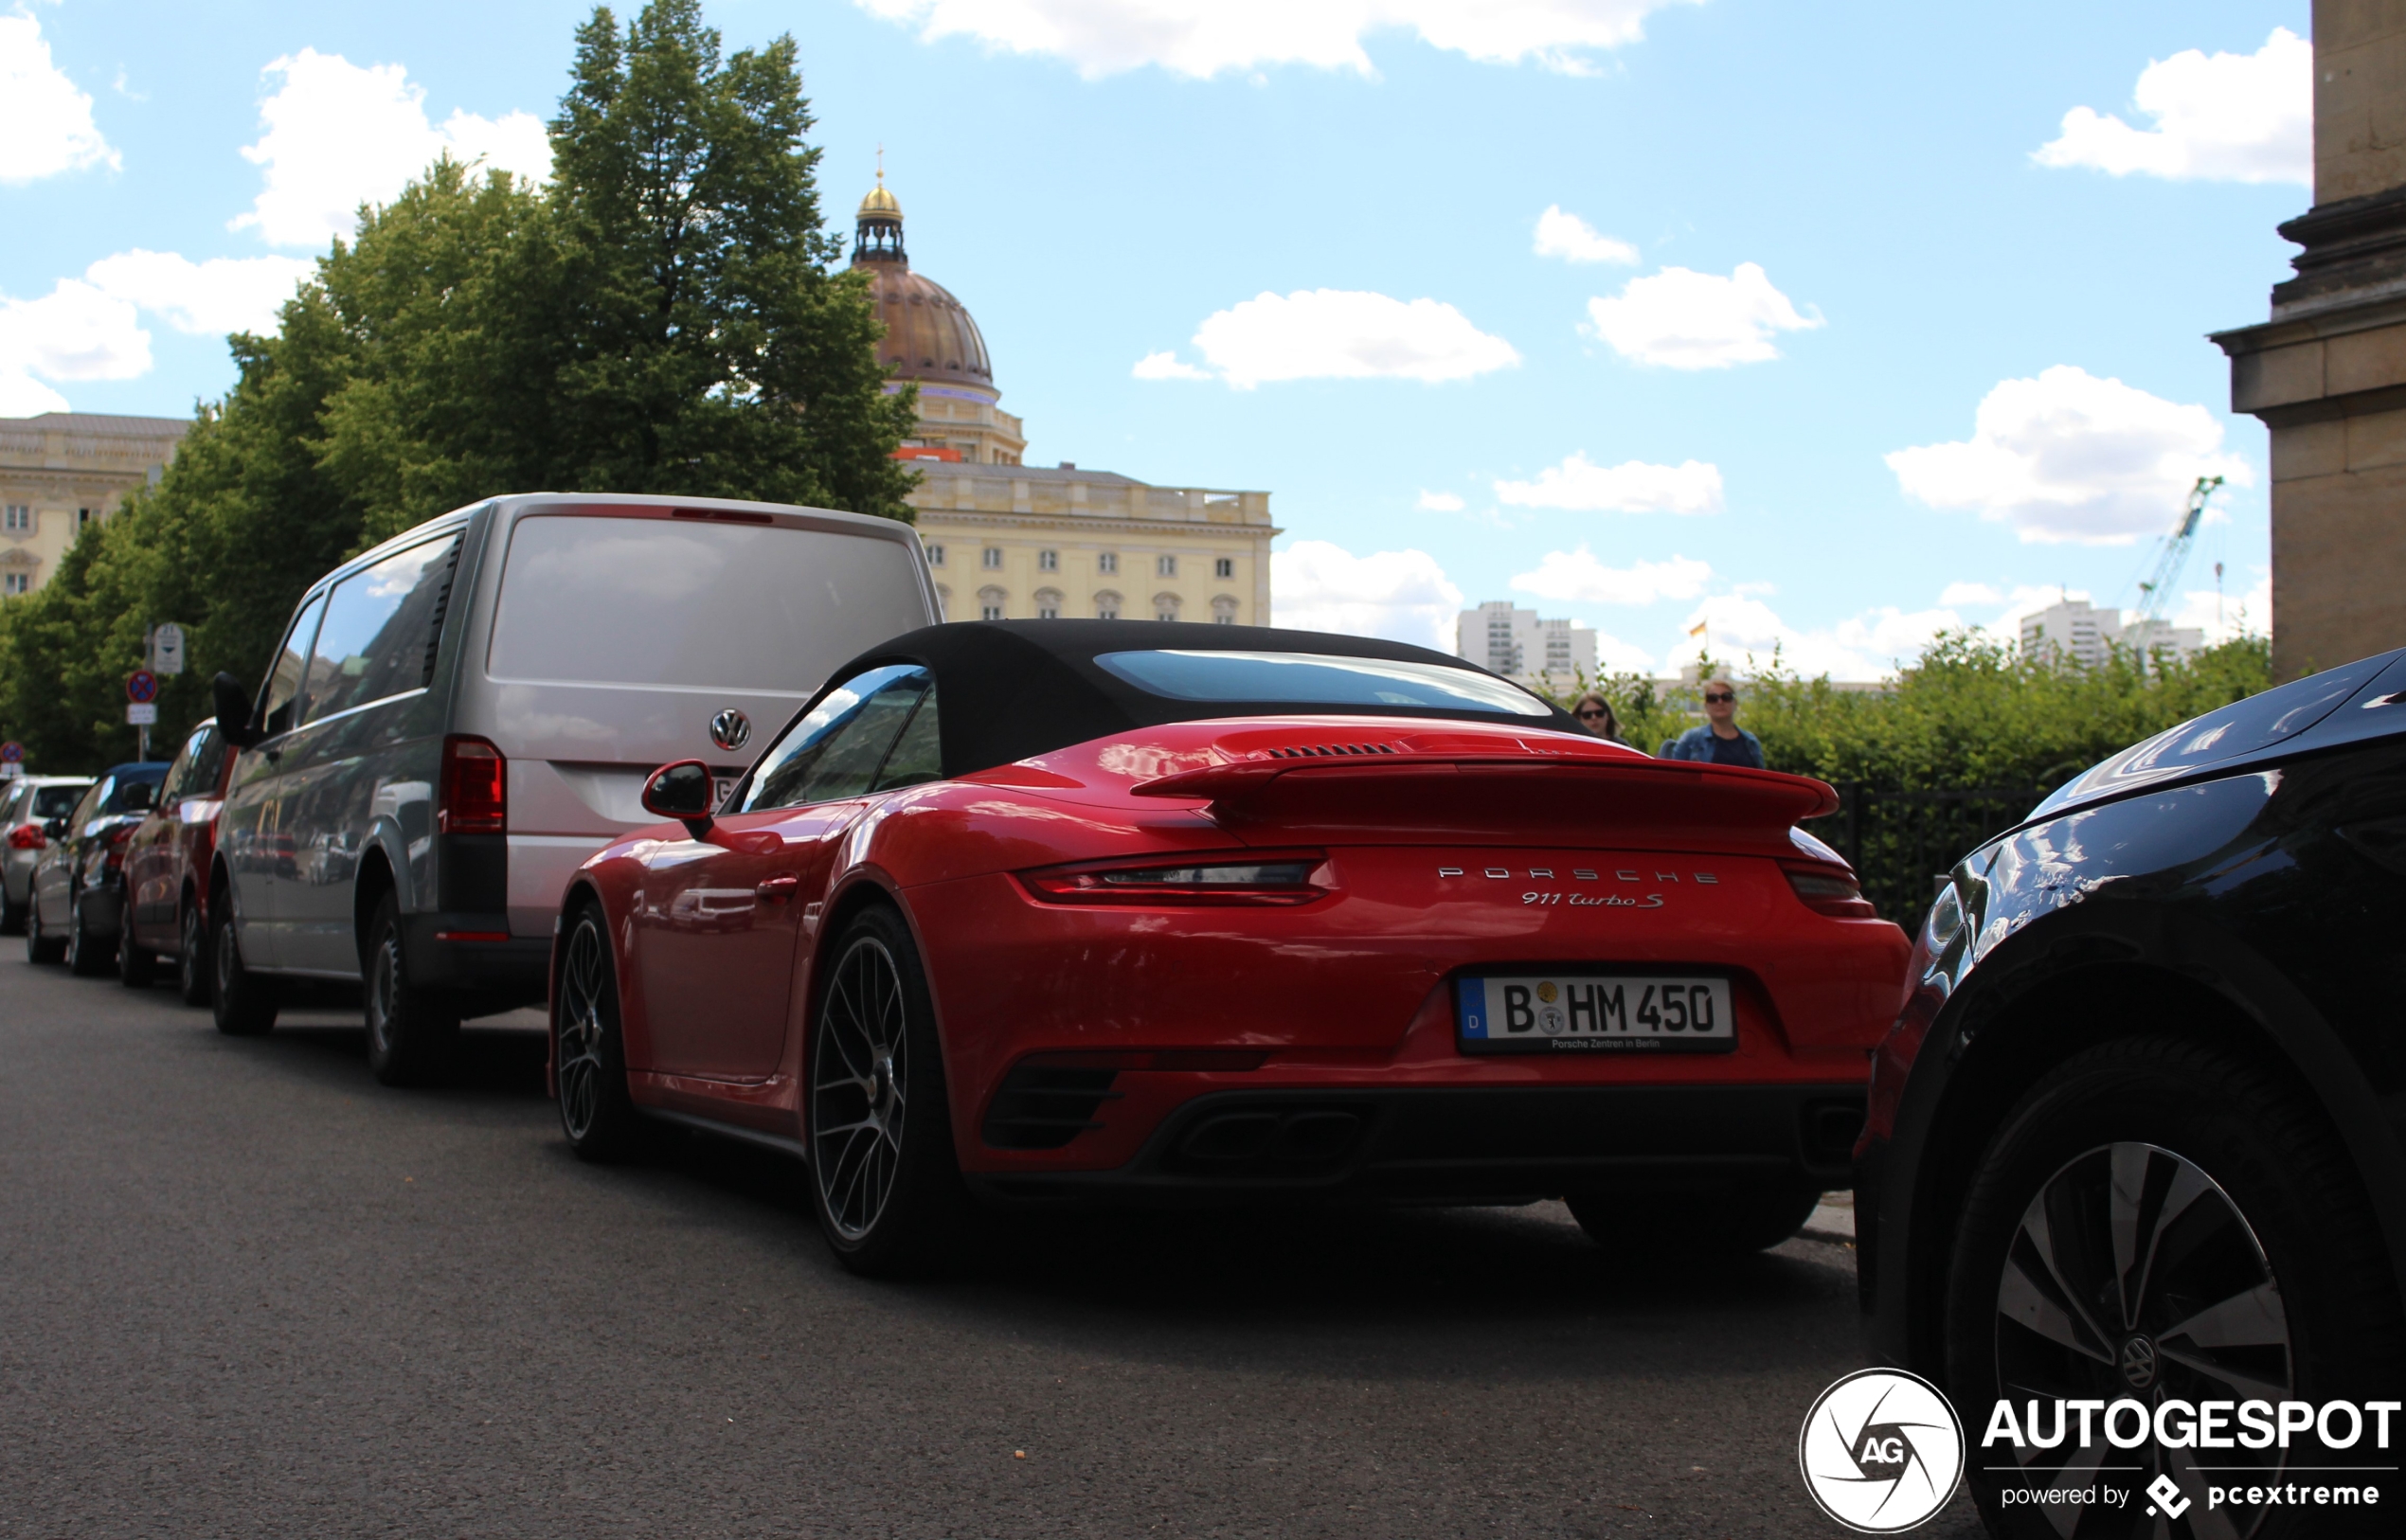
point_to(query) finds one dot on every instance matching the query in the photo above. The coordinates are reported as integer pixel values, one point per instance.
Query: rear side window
(89, 808)
(284, 681)
(842, 745)
(381, 626)
(694, 603)
(195, 772)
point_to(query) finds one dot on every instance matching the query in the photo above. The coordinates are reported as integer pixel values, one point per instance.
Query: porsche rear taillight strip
(1267, 880)
(1830, 890)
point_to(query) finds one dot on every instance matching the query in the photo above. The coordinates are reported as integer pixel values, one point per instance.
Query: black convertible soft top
(1009, 689)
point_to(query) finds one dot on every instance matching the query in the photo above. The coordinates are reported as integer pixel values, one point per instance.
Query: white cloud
(2228, 614)
(1165, 365)
(45, 123)
(1439, 502)
(1687, 320)
(2227, 117)
(1574, 239)
(223, 295)
(1631, 487)
(1578, 577)
(1203, 38)
(1743, 631)
(1401, 595)
(2068, 456)
(1336, 334)
(1969, 593)
(22, 395)
(74, 332)
(337, 135)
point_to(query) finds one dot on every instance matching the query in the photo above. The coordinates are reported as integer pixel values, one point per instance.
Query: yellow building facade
(61, 471)
(1010, 540)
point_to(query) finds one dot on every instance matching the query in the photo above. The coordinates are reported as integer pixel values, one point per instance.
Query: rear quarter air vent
(1044, 1106)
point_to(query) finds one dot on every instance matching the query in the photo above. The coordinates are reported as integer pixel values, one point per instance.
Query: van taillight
(28, 837)
(476, 795)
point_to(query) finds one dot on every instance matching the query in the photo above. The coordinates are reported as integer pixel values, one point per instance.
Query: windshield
(1320, 679)
(589, 599)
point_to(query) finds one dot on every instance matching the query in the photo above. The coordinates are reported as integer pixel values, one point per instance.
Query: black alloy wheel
(244, 1002)
(1741, 1218)
(588, 1055)
(39, 946)
(192, 957)
(412, 1030)
(883, 1177)
(2162, 1221)
(86, 957)
(136, 965)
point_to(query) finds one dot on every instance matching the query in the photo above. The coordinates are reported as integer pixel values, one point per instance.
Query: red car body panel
(167, 862)
(1447, 847)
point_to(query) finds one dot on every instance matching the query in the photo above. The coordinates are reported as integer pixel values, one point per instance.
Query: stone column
(2327, 372)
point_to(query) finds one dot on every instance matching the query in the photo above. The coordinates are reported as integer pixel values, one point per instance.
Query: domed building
(1010, 540)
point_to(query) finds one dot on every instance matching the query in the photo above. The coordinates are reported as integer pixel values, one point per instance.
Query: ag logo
(731, 730)
(1880, 1451)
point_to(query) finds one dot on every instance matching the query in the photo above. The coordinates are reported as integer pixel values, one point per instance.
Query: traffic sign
(11, 752)
(167, 647)
(141, 687)
(141, 714)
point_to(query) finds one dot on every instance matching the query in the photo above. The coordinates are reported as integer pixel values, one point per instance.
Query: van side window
(378, 626)
(283, 685)
(836, 750)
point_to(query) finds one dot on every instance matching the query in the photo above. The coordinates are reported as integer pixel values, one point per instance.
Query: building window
(990, 603)
(17, 582)
(1224, 611)
(1109, 562)
(1048, 561)
(993, 558)
(1165, 606)
(83, 517)
(935, 556)
(1107, 606)
(1047, 604)
(1224, 567)
(1165, 566)
(20, 519)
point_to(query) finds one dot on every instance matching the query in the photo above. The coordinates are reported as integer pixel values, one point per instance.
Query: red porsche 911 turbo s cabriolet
(1153, 912)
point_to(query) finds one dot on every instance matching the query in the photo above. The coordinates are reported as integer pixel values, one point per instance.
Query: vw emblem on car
(2137, 1362)
(731, 730)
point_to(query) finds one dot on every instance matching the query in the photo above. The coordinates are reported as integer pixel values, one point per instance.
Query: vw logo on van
(731, 730)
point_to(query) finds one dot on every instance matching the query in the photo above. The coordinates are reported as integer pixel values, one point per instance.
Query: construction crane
(2155, 589)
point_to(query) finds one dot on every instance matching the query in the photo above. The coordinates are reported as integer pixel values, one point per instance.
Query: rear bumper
(1476, 1144)
(475, 954)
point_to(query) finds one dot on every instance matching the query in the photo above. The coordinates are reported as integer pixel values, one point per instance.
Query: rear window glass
(660, 601)
(56, 802)
(1318, 679)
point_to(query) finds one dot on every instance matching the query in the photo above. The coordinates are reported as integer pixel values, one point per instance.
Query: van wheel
(244, 1003)
(39, 946)
(191, 958)
(85, 958)
(1748, 1216)
(884, 1179)
(136, 965)
(589, 1055)
(411, 1030)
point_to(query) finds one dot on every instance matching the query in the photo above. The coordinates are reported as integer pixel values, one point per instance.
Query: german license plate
(1593, 1013)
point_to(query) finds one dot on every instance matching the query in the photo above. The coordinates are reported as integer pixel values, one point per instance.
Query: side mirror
(681, 790)
(233, 705)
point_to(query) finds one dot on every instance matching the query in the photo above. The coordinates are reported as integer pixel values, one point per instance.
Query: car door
(253, 828)
(152, 856)
(719, 917)
(54, 879)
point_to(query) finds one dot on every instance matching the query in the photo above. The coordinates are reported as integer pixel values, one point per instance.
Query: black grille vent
(1045, 1107)
(1323, 751)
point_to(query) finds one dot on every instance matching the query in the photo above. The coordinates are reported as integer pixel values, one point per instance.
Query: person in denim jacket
(1720, 741)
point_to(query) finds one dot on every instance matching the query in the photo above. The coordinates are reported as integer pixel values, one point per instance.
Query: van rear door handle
(778, 888)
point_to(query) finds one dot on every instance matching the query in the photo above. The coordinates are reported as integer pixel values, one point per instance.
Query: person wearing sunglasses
(1595, 714)
(1720, 741)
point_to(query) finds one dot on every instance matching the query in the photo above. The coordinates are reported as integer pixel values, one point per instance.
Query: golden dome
(880, 203)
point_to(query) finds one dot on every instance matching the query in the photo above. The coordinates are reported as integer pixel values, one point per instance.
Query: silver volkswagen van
(458, 718)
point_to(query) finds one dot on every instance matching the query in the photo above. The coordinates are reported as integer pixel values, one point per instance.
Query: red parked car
(1147, 912)
(167, 866)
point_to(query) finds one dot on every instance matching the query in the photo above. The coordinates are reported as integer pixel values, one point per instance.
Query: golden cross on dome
(880, 165)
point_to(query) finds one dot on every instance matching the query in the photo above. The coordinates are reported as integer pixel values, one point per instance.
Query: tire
(136, 964)
(2227, 1179)
(589, 1054)
(243, 1002)
(11, 912)
(411, 1030)
(39, 946)
(1743, 1218)
(193, 956)
(884, 1179)
(85, 959)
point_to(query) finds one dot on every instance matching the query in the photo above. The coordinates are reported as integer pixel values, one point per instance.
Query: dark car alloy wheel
(590, 1058)
(85, 958)
(883, 1174)
(191, 958)
(39, 945)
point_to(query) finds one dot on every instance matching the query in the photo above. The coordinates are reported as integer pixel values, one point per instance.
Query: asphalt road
(245, 1291)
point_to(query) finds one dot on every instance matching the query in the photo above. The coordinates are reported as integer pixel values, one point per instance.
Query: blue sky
(1842, 330)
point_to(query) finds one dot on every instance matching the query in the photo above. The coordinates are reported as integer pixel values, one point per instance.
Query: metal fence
(1900, 842)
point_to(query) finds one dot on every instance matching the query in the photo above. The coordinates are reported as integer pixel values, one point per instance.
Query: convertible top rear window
(1319, 679)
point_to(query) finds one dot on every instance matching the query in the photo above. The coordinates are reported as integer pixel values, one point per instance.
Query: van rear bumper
(475, 954)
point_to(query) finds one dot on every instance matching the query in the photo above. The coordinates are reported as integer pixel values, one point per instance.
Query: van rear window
(645, 601)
